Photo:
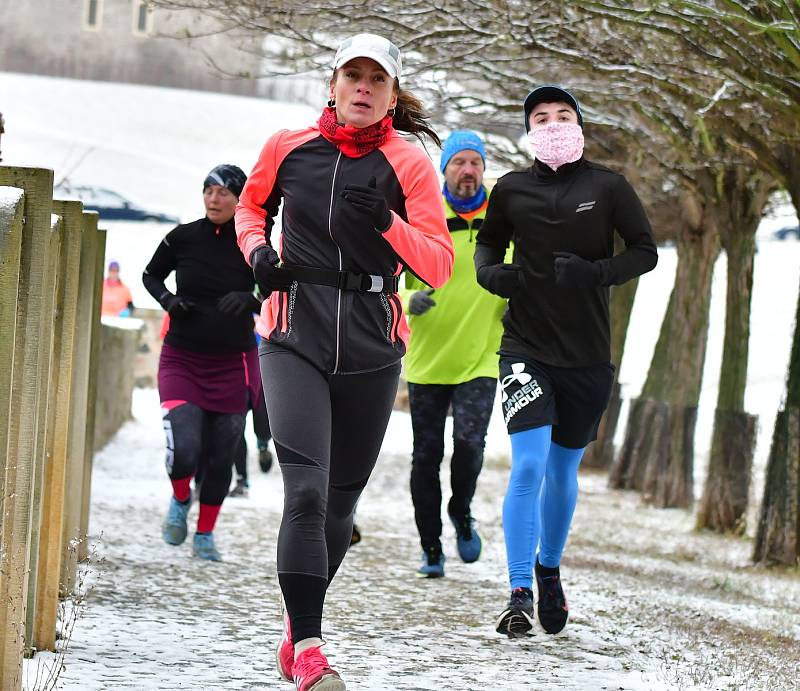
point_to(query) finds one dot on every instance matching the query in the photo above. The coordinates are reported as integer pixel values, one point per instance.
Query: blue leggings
(540, 500)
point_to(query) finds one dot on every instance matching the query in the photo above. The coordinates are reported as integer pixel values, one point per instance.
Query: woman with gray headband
(208, 369)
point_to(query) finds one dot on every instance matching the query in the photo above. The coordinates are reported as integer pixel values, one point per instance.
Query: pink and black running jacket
(343, 331)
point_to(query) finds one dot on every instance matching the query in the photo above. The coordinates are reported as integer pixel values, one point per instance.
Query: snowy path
(653, 605)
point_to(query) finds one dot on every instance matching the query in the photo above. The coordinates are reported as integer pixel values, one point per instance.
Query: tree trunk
(657, 456)
(724, 503)
(778, 534)
(600, 453)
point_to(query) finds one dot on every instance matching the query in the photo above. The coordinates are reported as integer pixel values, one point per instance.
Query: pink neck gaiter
(557, 143)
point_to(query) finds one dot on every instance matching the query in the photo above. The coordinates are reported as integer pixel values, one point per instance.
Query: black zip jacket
(576, 209)
(207, 265)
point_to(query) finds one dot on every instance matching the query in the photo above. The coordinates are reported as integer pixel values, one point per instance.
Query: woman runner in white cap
(360, 204)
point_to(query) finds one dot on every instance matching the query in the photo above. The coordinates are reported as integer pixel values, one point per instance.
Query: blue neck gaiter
(464, 206)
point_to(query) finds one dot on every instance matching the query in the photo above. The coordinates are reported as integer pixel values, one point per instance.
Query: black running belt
(343, 280)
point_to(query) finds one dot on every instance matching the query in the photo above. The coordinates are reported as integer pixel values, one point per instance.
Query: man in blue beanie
(452, 362)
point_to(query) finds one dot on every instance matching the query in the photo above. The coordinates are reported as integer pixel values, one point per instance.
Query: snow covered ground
(654, 605)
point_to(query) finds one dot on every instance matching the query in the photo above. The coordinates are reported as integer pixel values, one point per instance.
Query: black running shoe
(552, 605)
(517, 618)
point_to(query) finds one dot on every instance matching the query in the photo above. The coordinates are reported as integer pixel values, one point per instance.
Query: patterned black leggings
(202, 444)
(472, 404)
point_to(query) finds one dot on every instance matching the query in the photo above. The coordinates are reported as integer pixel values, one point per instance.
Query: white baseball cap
(379, 49)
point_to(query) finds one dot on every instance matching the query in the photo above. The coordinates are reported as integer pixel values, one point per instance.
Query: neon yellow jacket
(456, 340)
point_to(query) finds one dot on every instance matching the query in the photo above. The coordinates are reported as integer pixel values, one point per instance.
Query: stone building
(127, 41)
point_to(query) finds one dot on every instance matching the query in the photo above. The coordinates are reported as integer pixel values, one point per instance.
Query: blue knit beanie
(458, 141)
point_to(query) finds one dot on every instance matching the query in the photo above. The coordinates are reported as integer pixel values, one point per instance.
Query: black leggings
(263, 435)
(327, 431)
(200, 444)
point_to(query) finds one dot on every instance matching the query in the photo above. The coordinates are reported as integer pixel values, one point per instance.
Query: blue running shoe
(468, 542)
(432, 565)
(174, 529)
(205, 548)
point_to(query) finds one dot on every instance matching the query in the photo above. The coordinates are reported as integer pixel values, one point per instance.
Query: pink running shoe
(284, 654)
(313, 673)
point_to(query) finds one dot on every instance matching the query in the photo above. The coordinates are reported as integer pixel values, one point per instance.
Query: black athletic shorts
(571, 399)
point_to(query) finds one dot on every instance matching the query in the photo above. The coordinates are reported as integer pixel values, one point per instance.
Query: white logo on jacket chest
(585, 206)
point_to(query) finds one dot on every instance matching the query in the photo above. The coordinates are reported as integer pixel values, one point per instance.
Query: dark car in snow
(111, 205)
(787, 232)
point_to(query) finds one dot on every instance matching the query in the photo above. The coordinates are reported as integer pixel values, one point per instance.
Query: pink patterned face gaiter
(557, 143)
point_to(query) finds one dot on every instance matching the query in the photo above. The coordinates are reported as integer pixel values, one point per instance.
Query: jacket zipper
(389, 309)
(290, 307)
(339, 250)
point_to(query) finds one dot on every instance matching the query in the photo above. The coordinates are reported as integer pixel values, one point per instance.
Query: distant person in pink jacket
(360, 205)
(117, 300)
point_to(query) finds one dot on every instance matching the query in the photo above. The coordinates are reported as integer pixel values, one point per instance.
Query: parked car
(111, 205)
(787, 232)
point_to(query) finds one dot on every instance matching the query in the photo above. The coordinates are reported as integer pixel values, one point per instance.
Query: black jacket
(207, 265)
(577, 210)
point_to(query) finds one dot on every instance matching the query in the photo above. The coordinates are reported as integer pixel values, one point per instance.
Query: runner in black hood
(555, 370)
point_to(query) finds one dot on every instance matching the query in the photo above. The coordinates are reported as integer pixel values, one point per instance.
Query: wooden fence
(51, 269)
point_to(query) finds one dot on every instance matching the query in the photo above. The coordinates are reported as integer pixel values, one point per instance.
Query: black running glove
(504, 280)
(175, 305)
(239, 303)
(570, 269)
(370, 202)
(420, 302)
(265, 260)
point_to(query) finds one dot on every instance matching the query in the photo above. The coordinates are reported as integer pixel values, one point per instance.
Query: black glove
(264, 260)
(370, 202)
(239, 303)
(175, 305)
(570, 269)
(420, 302)
(504, 280)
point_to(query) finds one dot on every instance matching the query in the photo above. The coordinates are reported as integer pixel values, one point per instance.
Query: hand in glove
(175, 305)
(269, 277)
(420, 302)
(370, 202)
(504, 280)
(570, 269)
(239, 303)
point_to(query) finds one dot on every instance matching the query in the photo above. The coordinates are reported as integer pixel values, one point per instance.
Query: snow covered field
(159, 621)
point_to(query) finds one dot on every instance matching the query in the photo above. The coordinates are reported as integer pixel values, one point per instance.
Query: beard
(466, 187)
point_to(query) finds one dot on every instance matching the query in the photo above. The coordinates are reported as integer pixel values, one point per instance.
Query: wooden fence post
(25, 446)
(94, 364)
(44, 590)
(44, 434)
(11, 216)
(79, 397)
